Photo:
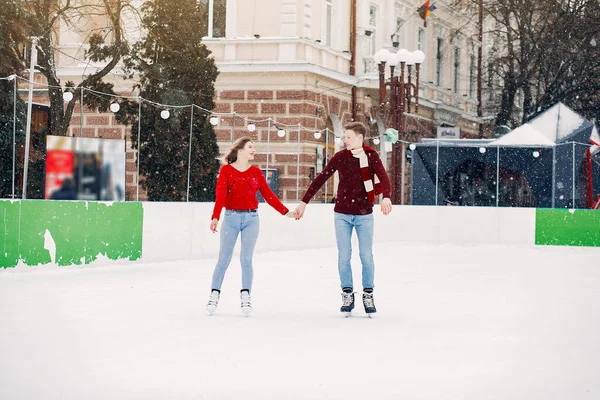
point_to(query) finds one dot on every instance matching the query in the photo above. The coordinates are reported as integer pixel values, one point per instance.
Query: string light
(165, 113)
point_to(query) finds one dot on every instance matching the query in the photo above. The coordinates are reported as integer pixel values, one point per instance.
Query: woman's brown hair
(232, 154)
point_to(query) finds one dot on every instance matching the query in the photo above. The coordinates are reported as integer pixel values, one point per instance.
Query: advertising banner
(85, 169)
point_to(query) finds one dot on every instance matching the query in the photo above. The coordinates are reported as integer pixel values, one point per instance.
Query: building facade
(296, 67)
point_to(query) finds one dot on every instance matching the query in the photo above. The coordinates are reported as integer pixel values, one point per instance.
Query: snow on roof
(524, 135)
(558, 122)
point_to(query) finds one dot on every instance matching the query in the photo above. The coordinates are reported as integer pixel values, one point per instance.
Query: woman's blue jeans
(344, 223)
(234, 223)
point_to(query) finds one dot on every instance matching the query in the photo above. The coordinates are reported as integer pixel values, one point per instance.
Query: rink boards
(75, 233)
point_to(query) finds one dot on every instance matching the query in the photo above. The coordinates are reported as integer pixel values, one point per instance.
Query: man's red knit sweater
(236, 190)
(351, 195)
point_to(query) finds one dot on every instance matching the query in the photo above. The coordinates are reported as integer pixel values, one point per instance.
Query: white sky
(453, 322)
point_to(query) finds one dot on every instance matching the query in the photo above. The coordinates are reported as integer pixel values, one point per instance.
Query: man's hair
(357, 127)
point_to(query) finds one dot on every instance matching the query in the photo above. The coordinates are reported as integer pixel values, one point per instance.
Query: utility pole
(34, 40)
(480, 70)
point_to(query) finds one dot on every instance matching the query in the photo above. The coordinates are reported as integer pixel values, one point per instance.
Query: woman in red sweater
(236, 189)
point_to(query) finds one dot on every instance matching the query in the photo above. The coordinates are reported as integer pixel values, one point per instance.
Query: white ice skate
(213, 302)
(246, 303)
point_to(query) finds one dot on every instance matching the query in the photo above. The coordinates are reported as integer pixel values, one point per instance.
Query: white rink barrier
(176, 231)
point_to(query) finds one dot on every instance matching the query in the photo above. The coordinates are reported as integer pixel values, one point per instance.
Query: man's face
(352, 141)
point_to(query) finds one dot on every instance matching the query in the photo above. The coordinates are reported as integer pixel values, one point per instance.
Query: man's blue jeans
(235, 222)
(344, 223)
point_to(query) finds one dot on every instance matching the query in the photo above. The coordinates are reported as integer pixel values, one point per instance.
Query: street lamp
(401, 94)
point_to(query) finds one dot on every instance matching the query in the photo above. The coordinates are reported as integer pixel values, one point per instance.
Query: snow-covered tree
(543, 52)
(174, 68)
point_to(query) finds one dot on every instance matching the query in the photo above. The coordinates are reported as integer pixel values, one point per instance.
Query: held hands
(386, 206)
(291, 214)
(299, 211)
(213, 225)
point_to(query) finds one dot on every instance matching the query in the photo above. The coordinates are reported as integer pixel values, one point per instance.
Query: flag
(425, 10)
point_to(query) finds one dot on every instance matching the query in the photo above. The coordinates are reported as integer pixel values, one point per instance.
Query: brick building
(302, 66)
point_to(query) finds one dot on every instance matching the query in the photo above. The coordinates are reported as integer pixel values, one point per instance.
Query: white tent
(523, 136)
(558, 123)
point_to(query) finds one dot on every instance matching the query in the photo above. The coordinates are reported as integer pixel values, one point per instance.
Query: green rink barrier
(567, 227)
(78, 232)
(9, 233)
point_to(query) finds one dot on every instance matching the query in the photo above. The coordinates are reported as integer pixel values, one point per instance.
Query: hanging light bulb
(317, 135)
(164, 114)
(68, 96)
(412, 146)
(482, 150)
(536, 154)
(376, 141)
(251, 127)
(115, 107)
(280, 132)
(214, 120)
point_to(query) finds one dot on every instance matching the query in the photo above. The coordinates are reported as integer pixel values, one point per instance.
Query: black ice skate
(347, 302)
(368, 302)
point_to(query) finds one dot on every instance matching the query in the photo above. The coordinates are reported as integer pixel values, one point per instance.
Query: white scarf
(368, 177)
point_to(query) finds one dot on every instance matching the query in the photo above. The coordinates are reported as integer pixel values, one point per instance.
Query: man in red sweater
(361, 177)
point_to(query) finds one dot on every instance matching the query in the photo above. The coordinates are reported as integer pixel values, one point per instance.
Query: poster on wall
(85, 169)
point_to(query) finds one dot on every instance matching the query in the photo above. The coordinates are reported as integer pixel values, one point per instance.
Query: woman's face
(247, 152)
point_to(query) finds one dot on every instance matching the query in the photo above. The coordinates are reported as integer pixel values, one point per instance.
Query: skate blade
(246, 311)
(210, 310)
(346, 314)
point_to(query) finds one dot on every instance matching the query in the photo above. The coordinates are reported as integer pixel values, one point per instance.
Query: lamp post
(34, 41)
(401, 95)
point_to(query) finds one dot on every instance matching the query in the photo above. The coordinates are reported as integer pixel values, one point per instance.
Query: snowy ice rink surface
(454, 322)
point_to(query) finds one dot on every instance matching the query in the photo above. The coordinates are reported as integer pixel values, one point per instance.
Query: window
(108, 32)
(456, 71)
(219, 13)
(472, 76)
(373, 28)
(398, 40)
(439, 61)
(215, 16)
(420, 39)
(328, 19)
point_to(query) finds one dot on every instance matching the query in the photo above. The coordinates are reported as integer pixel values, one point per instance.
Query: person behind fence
(362, 176)
(66, 191)
(236, 189)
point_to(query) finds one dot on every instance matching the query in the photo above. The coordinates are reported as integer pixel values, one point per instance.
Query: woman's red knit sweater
(236, 190)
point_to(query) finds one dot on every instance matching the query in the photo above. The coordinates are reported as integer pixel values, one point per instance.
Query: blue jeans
(233, 223)
(344, 223)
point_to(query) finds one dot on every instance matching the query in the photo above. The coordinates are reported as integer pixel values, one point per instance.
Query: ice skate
(369, 303)
(246, 303)
(347, 302)
(213, 302)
